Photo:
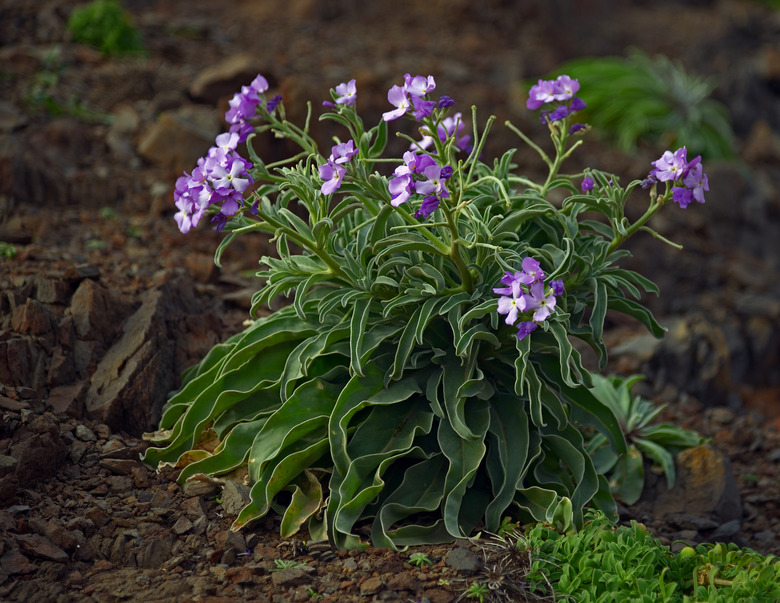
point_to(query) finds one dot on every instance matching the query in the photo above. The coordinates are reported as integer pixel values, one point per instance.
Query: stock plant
(659, 442)
(423, 380)
(655, 100)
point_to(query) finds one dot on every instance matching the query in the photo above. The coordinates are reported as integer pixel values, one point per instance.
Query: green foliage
(105, 25)
(477, 591)
(420, 559)
(653, 99)
(625, 471)
(280, 564)
(7, 250)
(603, 563)
(390, 395)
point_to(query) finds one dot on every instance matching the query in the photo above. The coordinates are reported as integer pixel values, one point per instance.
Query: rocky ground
(106, 303)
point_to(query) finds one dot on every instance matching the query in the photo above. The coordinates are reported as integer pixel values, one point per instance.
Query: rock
(224, 79)
(179, 137)
(372, 586)
(235, 496)
(96, 311)
(290, 576)
(32, 318)
(133, 379)
(155, 552)
(464, 561)
(39, 456)
(41, 547)
(13, 562)
(705, 486)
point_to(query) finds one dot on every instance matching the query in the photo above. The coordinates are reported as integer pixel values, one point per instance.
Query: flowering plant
(423, 380)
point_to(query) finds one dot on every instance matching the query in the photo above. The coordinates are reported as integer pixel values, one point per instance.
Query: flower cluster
(411, 98)
(560, 90)
(333, 171)
(221, 177)
(525, 291)
(243, 107)
(688, 176)
(420, 174)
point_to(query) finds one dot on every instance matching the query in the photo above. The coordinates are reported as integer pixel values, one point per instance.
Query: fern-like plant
(655, 100)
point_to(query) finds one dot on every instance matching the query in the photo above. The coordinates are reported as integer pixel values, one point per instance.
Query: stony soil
(106, 303)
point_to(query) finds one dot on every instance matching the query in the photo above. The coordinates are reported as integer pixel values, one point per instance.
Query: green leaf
(306, 500)
(642, 314)
(628, 477)
(357, 333)
(413, 332)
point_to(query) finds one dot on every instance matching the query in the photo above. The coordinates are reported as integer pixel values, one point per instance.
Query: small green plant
(625, 470)
(286, 564)
(314, 594)
(420, 559)
(476, 591)
(653, 99)
(7, 250)
(602, 563)
(105, 25)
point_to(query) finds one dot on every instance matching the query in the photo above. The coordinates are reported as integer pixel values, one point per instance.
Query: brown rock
(224, 79)
(32, 317)
(13, 562)
(705, 486)
(41, 547)
(96, 312)
(178, 138)
(39, 456)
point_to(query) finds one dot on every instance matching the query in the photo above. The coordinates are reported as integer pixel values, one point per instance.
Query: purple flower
(576, 104)
(682, 196)
(271, 105)
(428, 206)
(525, 328)
(537, 300)
(510, 302)
(401, 189)
(565, 87)
(342, 152)
(532, 271)
(446, 172)
(541, 93)
(449, 126)
(557, 287)
(445, 101)
(559, 113)
(422, 108)
(397, 97)
(696, 180)
(434, 185)
(419, 85)
(587, 184)
(332, 174)
(347, 93)
(670, 166)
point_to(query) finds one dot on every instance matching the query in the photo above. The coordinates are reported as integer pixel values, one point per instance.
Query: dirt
(86, 198)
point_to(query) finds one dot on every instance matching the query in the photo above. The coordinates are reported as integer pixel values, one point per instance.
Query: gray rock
(464, 561)
(235, 496)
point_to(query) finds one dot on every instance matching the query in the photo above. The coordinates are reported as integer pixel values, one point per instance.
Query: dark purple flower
(576, 104)
(428, 206)
(557, 287)
(272, 104)
(577, 128)
(587, 184)
(525, 328)
(445, 101)
(559, 113)
(446, 172)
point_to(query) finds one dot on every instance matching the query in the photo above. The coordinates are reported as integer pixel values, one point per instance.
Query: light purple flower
(565, 87)
(541, 93)
(343, 152)
(332, 174)
(449, 126)
(347, 93)
(397, 97)
(419, 85)
(537, 300)
(434, 185)
(670, 166)
(401, 188)
(532, 271)
(422, 108)
(511, 303)
(696, 180)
